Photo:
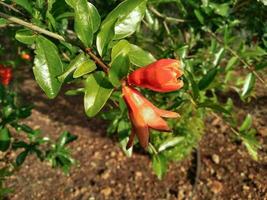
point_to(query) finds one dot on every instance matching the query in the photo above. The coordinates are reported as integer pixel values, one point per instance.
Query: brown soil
(104, 172)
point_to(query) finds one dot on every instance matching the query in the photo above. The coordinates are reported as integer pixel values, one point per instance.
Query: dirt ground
(104, 172)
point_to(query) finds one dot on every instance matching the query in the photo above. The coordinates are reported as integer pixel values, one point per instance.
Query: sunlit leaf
(97, 91)
(47, 66)
(248, 85)
(159, 165)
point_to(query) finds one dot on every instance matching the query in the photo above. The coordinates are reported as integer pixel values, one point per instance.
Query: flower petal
(140, 128)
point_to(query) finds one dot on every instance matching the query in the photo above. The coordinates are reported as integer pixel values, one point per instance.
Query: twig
(166, 18)
(33, 27)
(198, 169)
(11, 7)
(233, 52)
(97, 60)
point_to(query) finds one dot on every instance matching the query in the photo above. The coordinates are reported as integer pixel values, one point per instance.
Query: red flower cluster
(5, 75)
(159, 76)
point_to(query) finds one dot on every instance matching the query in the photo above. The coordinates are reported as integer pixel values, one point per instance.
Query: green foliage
(11, 129)
(44, 68)
(97, 91)
(220, 46)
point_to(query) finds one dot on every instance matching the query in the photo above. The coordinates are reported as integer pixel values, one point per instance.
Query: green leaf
(87, 21)
(170, 143)
(199, 16)
(231, 63)
(220, 9)
(194, 85)
(85, 67)
(127, 25)
(122, 47)
(250, 141)
(137, 55)
(3, 21)
(207, 79)
(21, 157)
(247, 123)
(47, 66)
(120, 22)
(216, 107)
(104, 37)
(248, 85)
(4, 139)
(218, 57)
(65, 138)
(119, 69)
(25, 36)
(71, 3)
(97, 91)
(26, 4)
(74, 64)
(123, 133)
(159, 165)
(254, 52)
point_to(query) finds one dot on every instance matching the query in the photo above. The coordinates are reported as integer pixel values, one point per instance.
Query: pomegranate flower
(5, 75)
(144, 115)
(160, 76)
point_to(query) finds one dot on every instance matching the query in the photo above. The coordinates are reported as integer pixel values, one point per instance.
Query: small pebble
(215, 158)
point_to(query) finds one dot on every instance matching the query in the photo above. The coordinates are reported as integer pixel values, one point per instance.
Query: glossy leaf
(25, 36)
(47, 66)
(97, 91)
(21, 157)
(128, 24)
(247, 123)
(170, 143)
(104, 37)
(231, 63)
(85, 67)
(74, 64)
(248, 85)
(65, 138)
(159, 165)
(87, 21)
(4, 139)
(250, 141)
(119, 69)
(137, 55)
(120, 22)
(207, 79)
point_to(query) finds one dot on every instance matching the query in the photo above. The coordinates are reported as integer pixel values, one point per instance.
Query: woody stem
(56, 36)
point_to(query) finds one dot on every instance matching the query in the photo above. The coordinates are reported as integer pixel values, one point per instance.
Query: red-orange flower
(160, 76)
(144, 115)
(26, 56)
(5, 75)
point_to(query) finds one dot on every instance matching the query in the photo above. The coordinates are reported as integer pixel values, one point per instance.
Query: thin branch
(33, 27)
(166, 18)
(11, 7)
(97, 60)
(234, 53)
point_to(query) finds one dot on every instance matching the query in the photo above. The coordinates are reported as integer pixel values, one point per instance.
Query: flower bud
(160, 76)
(144, 115)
